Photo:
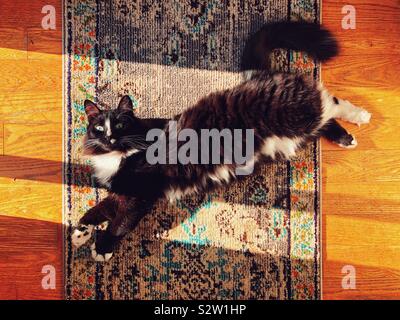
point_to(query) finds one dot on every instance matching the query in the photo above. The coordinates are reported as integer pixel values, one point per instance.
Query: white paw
(99, 257)
(81, 235)
(350, 146)
(363, 117)
(350, 112)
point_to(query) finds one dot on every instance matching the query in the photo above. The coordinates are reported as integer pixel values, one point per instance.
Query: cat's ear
(125, 105)
(91, 109)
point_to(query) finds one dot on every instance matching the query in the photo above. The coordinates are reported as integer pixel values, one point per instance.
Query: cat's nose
(110, 140)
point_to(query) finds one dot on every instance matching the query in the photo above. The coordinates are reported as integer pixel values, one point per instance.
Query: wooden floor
(361, 187)
(31, 148)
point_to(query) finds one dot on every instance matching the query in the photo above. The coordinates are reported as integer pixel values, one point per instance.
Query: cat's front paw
(81, 235)
(100, 256)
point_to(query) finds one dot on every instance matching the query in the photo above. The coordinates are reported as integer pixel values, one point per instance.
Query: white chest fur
(106, 165)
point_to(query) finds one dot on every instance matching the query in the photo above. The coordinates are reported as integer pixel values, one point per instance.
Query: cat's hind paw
(81, 235)
(362, 117)
(356, 115)
(351, 113)
(348, 142)
(100, 257)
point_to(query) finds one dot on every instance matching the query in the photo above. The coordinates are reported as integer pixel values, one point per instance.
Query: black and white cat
(285, 112)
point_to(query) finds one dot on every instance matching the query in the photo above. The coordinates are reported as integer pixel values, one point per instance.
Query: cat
(286, 111)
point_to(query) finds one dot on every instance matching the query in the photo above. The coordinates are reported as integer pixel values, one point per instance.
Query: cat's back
(278, 101)
(282, 89)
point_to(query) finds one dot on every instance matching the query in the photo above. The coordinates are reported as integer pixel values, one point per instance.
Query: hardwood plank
(41, 141)
(381, 42)
(358, 197)
(26, 245)
(371, 283)
(377, 208)
(357, 231)
(377, 217)
(30, 199)
(372, 71)
(33, 76)
(30, 107)
(371, 15)
(376, 256)
(22, 13)
(339, 167)
(44, 44)
(40, 239)
(23, 168)
(370, 257)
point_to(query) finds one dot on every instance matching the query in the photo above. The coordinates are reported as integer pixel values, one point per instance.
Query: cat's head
(113, 130)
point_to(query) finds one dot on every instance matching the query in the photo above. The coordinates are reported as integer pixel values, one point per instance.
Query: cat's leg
(97, 217)
(343, 109)
(349, 112)
(129, 212)
(334, 132)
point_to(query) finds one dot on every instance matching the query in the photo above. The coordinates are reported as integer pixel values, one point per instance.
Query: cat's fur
(286, 112)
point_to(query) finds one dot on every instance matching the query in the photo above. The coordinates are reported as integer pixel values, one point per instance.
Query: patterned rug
(257, 239)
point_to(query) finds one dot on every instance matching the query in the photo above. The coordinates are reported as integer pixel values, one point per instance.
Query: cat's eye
(119, 126)
(99, 128)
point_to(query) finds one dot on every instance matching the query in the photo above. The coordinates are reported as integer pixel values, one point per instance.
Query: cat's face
(113, 130)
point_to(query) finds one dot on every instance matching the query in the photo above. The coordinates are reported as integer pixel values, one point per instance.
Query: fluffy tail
(311, 38)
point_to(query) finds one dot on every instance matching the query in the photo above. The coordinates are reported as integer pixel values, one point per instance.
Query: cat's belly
(222, 174)
(283, 146)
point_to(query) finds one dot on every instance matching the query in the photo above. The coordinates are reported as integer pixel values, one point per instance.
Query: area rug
(258, 238)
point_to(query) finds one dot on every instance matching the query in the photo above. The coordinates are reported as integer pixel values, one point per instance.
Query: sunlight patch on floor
(364, 242)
